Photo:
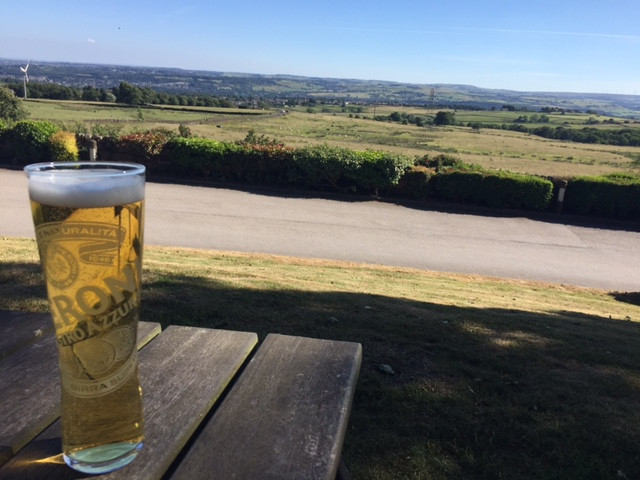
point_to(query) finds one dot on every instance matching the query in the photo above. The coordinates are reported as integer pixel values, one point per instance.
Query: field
(355, 128)
(492, 378)
(463, 377)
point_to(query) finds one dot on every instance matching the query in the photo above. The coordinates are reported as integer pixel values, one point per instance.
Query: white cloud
(91, 40)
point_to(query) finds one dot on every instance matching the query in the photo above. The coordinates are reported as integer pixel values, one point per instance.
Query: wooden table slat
(30, 387)
(284, 419)
(31, 326)
(183, 371)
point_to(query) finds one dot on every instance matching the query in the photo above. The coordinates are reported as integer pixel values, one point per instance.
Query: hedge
(334, 168)
(328, 168)
(493, 189)
(613, 196)
(317, 168)
(415, 183)
(27, 142)
(195, 158)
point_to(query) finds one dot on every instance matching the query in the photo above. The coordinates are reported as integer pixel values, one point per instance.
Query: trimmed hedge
(317, 168)
(493, 189)
(614, 196)
(196, 158)
(415, 183)
(223, 161)
(380, 171)
(334, 168)
(329, 168)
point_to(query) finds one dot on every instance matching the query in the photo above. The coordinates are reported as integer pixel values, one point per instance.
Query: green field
(335, 125)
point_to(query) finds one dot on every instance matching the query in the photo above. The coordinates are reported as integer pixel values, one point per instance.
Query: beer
(88, 219)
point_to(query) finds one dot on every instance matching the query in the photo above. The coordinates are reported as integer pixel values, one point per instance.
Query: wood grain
(19, 329)
(286, 417)
(182, 373)
(30, 384)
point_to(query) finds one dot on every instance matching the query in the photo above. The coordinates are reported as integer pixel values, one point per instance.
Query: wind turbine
(26, 78)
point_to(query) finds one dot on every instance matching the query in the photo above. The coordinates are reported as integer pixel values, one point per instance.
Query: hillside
(322, 89)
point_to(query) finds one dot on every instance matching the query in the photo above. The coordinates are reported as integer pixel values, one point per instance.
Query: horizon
(152, 67)
(553, 46)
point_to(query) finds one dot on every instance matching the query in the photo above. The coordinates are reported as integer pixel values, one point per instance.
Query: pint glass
(88, 218)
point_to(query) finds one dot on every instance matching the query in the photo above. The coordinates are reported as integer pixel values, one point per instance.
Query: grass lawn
(462, 376)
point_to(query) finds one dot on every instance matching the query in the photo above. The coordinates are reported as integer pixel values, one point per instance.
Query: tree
(11, 107)
(107, 96)
(444, 118)
(130, 94)
(90, 93)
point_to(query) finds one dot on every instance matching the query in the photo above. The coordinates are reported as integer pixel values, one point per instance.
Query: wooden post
(93, 150)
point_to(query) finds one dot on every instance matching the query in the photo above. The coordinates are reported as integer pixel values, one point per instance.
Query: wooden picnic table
(217, 405)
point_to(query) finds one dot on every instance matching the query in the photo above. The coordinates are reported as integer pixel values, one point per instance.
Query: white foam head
(86, 184)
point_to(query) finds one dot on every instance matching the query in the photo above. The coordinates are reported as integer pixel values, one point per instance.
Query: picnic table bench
(216, 404)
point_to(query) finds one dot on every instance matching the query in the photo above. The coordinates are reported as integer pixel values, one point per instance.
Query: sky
(537, 45)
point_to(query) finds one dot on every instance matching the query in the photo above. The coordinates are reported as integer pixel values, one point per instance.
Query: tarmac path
(370, 231)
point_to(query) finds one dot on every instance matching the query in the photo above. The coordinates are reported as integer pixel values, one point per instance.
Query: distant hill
(224, 84)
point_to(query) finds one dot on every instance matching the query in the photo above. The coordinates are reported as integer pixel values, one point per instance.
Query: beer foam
(85, 188)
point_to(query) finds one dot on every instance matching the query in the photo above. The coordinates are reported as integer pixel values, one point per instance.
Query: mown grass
(496, 149)
(491, 378)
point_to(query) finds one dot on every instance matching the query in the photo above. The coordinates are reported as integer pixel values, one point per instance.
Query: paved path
(371, 232)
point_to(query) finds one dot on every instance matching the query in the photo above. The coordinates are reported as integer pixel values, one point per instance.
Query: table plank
(30, 386)
(284, 419)
(19, 329)
(182, 373)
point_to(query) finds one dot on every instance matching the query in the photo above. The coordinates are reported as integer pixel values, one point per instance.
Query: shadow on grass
(629, 297)
(476, 392)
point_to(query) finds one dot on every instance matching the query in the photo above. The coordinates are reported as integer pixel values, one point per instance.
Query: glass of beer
(88, 218)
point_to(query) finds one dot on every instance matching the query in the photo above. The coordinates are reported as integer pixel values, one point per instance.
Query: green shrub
(457, 186)
(143, 146)
(267, 164)
(379, 171)
(28, 142)
(414, 183)
(63, 146)
(198, 159)
(493, 189)
(440, 160)
(5, 147)
(324, 167)
(614, 196)
(519, 191)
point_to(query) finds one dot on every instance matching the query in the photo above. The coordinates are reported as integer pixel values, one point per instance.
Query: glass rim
(101, 168)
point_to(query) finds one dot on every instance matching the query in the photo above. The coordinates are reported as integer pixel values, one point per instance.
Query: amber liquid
(92, 258)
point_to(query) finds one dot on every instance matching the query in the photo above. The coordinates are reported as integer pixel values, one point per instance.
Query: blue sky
(536, 45)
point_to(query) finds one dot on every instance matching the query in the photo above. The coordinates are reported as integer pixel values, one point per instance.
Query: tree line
(125, 93)
(588, 135)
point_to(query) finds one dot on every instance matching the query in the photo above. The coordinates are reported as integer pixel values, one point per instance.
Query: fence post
(93, 150)
(561, 196)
